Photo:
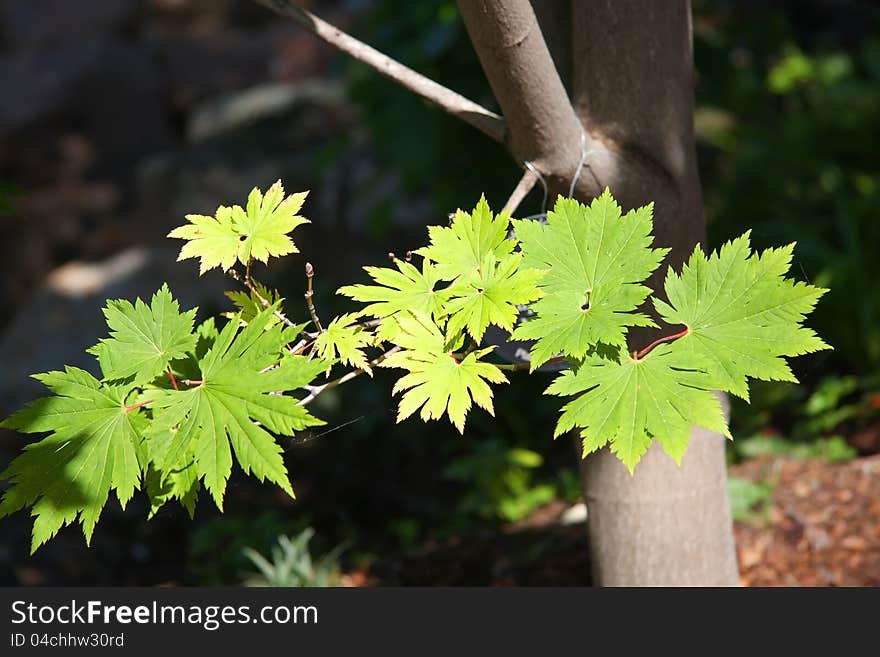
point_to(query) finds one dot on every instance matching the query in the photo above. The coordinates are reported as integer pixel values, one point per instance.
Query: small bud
(310, 271)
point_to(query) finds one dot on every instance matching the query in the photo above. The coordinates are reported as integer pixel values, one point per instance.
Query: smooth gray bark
(542, 127)
(632, 90)
(665, 526)
(633, 86)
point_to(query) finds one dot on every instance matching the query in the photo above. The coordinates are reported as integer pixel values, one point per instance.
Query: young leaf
(438, 381)
(234, 233)
(344, 339)
(250, 302)
(181, 483)
(93, 447)
(459, 250)
(206, 335)
(213, 240)
(629, 402)
(596, 261)
(742, 314)
(491, 295)
(407, 289)
(144, 339)
(265, 225)
(234, 395)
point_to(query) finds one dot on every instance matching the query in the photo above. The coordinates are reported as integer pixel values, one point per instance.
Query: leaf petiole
(638, 355)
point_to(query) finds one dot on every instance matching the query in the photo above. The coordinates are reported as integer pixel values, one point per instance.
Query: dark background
(120, 116)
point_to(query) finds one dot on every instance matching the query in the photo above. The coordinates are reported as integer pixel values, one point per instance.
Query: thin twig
(249, 284)
(310, 293)
(369, 323)
(173, 379)
(300, 347)
(522, 189)
(513, 367)
(489, 123)
(314, 391)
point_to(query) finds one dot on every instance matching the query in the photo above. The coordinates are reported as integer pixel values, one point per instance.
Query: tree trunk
(632, 95)
(633, 86)
(628, 66)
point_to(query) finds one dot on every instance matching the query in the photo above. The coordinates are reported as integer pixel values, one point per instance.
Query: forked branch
(314, 391)
(542, 125)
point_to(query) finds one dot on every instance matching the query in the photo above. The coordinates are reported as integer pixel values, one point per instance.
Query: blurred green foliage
(7, 193)
(290, 564)
(749, 501)
(217, 546)
(792, 143)
(831, 449)
(501, 481)
(833, 405)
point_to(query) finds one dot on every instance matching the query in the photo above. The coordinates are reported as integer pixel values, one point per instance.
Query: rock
(108, 89)
(202, 66)
(123, 107)
(43, 81)
(233, 111)
(38, 24)
(574, 515)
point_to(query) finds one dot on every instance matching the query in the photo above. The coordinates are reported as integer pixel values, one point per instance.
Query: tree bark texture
(632, 92)
(633, 86)
(542, 127)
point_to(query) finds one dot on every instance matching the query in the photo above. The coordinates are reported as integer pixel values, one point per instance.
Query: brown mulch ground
(822, 527)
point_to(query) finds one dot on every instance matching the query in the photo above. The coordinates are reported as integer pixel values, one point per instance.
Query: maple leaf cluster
(741, 318)
(178, 403)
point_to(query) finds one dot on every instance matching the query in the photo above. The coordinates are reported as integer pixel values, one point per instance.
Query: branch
(248, 282)
(310, 293)
(525, 185)
(542, 125)
(314, 391)
(489, 123)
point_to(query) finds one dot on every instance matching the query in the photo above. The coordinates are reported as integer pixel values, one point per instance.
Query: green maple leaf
(595, 261)
(438, 381)
(459, 249)
(238, 234)
(406, 289)
(491, 295)
(181, 483)
(238, 390)
(250, 302)
(94, 446)
(742, 314)
(144, 339)
(629, 402)
(213, 240)
(266, 223)
(344, 340)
